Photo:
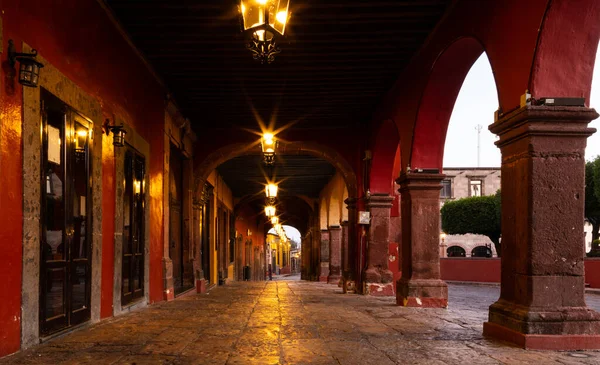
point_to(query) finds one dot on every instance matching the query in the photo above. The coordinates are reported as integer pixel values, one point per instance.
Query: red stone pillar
(344, 252)
(335, 254)
(420, 285)
(349, 275)
(542, 303)
(316, 261)
(378, 278)
(324, 255)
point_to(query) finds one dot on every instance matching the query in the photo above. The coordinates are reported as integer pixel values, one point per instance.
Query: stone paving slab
(296, 322)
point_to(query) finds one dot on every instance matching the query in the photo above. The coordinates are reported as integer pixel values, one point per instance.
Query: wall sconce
(268, 145)
(29, 69)
(118, 133)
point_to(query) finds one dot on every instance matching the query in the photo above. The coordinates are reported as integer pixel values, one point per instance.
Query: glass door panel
(133, 228)
(65, 218)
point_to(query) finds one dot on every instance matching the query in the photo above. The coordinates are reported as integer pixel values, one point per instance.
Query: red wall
(246, 219)
(592, 272)
(78, 38)
(11, 215)
(108, 227)
(488, 270)
(471, 269)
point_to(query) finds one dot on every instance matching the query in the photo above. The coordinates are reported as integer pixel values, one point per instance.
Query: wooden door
(65, 269)
(132, 280)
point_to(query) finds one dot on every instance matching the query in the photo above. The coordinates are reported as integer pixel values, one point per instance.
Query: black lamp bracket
(110, 128)
(13, 55)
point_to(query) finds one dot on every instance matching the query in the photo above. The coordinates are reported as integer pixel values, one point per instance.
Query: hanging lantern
(274, 220)
(29, 69)
(270, 211)
(264, 21)
(271, 190)
(268, 145)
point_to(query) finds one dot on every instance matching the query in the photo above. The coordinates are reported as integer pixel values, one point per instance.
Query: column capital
(532, 120)
(335, 227)
(419, 181)
(379, 201)
(351, 203)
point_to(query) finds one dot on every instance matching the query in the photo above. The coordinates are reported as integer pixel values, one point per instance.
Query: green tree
(477, 215)
(592, 201)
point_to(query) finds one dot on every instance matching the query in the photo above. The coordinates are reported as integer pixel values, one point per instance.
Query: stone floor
(293, 322)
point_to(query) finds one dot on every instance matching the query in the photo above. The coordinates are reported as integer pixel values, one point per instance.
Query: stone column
(349, 275)
(420, 285)
(542, 302)
(324, 255)
(344, 252)
(315, 255)
(305, 257)
(378, 278)
(335, 255)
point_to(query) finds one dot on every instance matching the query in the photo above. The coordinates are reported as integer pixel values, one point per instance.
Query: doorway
(65, 269)
(179, 246)
(132, 274)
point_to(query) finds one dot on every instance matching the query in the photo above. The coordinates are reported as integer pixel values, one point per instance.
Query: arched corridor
(153, 152)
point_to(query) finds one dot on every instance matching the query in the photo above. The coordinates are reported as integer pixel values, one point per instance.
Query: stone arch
(456, 248)
(384, 145)
(214, 159)
(324, 214)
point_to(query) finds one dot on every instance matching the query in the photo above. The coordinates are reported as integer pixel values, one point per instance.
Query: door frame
(141, 146)
(64, 89)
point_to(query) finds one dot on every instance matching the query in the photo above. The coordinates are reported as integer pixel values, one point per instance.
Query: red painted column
(324, 256)
(378, 279)
(420, 285)
(349, 274)
(335, 255)
(542, 302)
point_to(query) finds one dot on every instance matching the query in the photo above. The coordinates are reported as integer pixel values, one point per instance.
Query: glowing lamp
(270, 211)
(271, 190)
(274, 220)
(263, 21)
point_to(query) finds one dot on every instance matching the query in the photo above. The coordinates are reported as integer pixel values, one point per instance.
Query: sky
(292, 233)
(476, 104)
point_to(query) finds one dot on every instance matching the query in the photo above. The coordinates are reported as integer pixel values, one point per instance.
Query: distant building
(463, 182)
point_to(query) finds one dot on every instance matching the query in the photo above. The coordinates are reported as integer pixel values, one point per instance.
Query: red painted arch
(384, 146)
(547, 47)
(438, 101)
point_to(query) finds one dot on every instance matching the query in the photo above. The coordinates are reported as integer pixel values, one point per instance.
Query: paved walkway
(294, 322)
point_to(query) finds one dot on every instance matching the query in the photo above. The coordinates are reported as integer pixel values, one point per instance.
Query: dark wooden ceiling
(338, 61)
(297, 175)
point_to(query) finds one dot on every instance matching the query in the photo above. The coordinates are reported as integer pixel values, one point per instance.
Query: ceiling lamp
(274, 220)
(268, 145)
(29, 69)
(264, 21)
(270, 211)
(271, 190)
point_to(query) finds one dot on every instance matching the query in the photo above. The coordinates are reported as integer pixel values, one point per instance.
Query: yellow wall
(221, 193)
(333, 209)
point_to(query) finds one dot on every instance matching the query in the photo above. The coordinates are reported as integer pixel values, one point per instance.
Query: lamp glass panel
(253, 13)
(279, 15)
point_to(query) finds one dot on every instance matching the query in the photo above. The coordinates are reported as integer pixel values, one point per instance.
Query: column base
(201, 286)
(348, 286)
(379, 289)
(333, 279)
(423, 293)
(550, 328)
(542, 342)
